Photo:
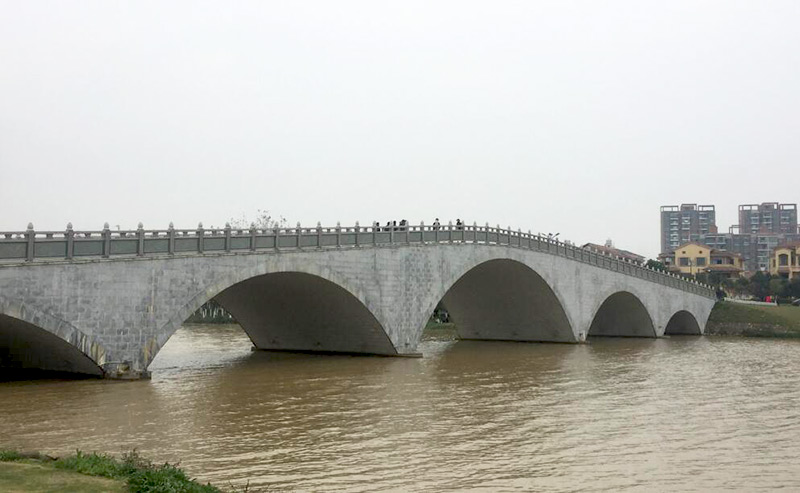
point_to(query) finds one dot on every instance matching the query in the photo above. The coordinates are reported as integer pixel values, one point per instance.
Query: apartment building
(768, 217)
(761, 228)
(685, 223)
(744, 245)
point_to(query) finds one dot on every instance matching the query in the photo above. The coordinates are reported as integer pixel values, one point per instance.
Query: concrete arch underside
(622, 315)
(25, 348)
(295, 311)
(504, 299)
(683, 323)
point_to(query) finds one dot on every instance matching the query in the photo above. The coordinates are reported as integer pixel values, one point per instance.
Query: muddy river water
(674, 414)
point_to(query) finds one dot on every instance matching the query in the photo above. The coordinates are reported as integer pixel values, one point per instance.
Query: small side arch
(34, 340)
(683, 323)
(504, 299)
(622, 315)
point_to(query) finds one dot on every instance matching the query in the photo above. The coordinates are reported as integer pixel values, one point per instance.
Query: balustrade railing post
(253, 237)
(171, 235)
(375, 233)
(106, 240)
(450, 231)
(277, 232)
(319, 234)
(30, 235)
(358, 230)
(70, 236)
(338, 234)
(299, 232)
(227, 237)
(200, 236)
(422, 232)
(140, 240)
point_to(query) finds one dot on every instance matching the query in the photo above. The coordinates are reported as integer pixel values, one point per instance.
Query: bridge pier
(124, 371)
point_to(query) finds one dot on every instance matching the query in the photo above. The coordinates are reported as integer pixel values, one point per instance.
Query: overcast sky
(573, 117)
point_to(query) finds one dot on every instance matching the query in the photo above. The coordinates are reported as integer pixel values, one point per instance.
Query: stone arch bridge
(105, 302)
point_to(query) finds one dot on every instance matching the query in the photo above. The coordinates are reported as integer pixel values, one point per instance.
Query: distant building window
(700, 261)
(683, 261)
(783, 260)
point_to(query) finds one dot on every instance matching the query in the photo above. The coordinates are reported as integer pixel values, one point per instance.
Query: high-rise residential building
(684, 223)
(766, 218)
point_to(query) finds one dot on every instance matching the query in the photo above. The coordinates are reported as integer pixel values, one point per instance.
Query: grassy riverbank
(92, 473)
(729, 318)
(435, 331)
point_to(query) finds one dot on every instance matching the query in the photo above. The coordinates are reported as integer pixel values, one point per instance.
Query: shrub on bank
(140, 474)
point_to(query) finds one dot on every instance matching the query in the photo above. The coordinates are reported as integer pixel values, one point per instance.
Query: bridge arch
(505, 299)
(622, 314)
(683, 322)
(293, 307)
(31, 339)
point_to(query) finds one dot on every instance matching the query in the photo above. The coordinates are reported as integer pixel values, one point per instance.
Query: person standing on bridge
(436, 224)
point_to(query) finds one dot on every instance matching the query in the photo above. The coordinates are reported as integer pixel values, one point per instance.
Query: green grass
(435, 331)
(767, 321)
(28, 476)
(139, 474)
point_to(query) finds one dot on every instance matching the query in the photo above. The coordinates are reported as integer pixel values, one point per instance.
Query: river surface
(677, 414)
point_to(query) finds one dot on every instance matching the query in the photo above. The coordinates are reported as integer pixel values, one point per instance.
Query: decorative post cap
(338, 224)
(298, 224)
(319, 224)
(105, 225)
(171, 226)
(30, 226)
(200, 225)
(141, 226)
(227, 225)
(69, 226)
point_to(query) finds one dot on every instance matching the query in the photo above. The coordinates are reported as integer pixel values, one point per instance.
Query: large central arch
(504, 299)
(296, 311)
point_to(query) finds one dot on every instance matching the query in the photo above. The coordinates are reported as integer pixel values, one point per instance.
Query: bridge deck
(69, 245)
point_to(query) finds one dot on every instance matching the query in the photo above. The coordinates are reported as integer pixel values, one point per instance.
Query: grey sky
(573, 117)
